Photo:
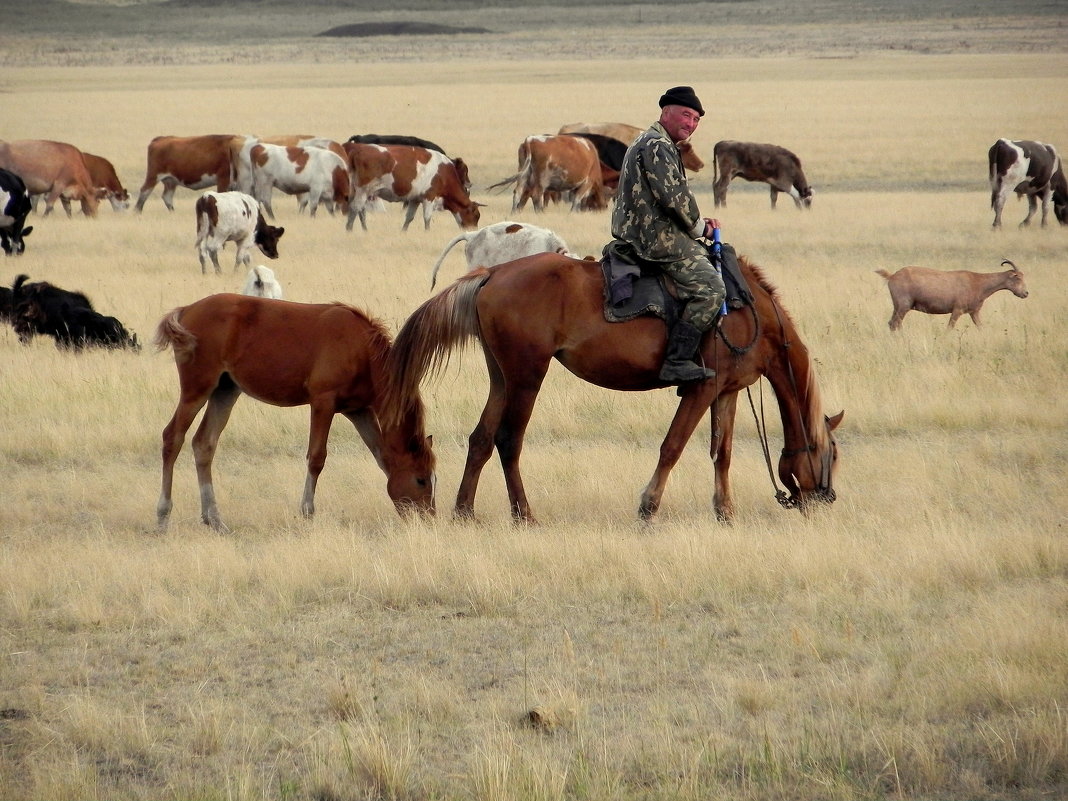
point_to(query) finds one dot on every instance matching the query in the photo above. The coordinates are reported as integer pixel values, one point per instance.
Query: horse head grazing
(808, 472)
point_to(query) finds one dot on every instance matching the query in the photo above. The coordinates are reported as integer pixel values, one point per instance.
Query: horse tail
(171, 333)
(427, 338)
(437, 265)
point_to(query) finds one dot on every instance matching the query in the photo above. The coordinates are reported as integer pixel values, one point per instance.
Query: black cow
(1027, 168)
(774, 165)
(14, 206)
(68, 317)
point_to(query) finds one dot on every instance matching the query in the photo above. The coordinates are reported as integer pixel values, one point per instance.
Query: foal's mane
(381, 344)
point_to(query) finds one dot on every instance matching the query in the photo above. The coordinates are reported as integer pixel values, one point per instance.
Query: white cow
(233, 217)
(320, 173)
(261, 283)
(501, 242)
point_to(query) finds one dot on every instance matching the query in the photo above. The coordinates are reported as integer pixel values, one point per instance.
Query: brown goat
(953, 292)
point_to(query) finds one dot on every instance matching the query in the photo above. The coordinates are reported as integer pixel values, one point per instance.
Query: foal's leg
(190, 403)
(480, 443)
(322, 414)
(692, 408)
(367, 427)
(723, 412)
(220, 404)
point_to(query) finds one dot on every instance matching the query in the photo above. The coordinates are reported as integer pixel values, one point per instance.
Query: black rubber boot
(679, 365)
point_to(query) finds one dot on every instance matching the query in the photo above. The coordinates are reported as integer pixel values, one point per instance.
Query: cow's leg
(169, 187)
(1032, 207)
(774, 196)
(410, 208)
(322, 414)
(220, 404)
(66, 206)
(719, 190)
(428, 213)
(1047, 195)
(146, 190)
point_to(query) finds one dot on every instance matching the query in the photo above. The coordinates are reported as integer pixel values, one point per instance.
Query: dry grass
(905, 643)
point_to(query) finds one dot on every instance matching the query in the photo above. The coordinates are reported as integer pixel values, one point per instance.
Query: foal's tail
(426, 340)
(170, 332)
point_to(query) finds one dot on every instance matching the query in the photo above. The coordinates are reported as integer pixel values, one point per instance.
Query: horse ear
(430, 441)
(833, 422)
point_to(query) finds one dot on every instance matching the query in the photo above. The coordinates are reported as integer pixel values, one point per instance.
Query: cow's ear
(26, 231)
(281, 231)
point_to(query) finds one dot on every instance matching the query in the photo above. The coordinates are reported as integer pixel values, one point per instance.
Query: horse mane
(814, 416)
(381, 343)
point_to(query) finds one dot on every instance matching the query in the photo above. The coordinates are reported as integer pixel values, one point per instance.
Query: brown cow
(621, 132)
(411, 175)
(106, 181)
(774, 165)
(565, 164)
(54, 169)
(195, 162)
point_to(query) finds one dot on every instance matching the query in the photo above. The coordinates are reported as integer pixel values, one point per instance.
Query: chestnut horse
(529, 311)
(328, 356)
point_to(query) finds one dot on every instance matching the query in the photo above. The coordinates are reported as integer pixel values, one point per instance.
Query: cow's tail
(437, 265)
(511, 179)
(171, 333)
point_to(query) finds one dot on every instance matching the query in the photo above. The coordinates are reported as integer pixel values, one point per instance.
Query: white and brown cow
(501, 242)
(414, 176)
(563, 165)
(233, 217)
(193, 162)
(771, 164)
(1031, 169)
(14, 206)
(319, 173)
(54, 169)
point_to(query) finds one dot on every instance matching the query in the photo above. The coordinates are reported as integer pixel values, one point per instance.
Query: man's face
(679, 121)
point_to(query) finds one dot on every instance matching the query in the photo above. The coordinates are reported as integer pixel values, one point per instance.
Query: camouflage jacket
(655, 210)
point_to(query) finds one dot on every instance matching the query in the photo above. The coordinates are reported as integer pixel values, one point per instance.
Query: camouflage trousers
(701, 286)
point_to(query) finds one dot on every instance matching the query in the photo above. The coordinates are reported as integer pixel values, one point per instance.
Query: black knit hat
(682, 96)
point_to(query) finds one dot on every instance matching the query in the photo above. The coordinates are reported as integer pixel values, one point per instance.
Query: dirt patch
(397, 29)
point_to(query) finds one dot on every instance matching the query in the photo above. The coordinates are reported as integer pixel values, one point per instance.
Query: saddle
(634, 287)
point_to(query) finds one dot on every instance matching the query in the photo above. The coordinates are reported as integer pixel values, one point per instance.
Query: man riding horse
(656, 215)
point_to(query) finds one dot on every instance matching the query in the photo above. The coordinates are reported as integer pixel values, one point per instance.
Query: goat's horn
(1006, 261)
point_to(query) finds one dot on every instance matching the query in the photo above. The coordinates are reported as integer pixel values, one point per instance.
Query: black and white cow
(1031, 169)
(233, 217)
(68, 317)
(14, 206)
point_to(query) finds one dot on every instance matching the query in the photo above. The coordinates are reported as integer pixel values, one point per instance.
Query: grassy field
(906, 642)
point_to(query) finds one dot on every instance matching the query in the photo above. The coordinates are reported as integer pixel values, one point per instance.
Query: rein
(824, 489)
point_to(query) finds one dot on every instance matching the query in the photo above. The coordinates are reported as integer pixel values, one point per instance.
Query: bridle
(824, 492)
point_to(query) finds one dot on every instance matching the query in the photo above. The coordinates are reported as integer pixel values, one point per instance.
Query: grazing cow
(953, 292)
(54, 169)
(414, 176)
(321, 174)
(193, 162)
(233, 217)
(563, 164)
(68, 317)
(14, 206)
(106, 181)
(414, 141)
(261, 283)
(501, 242)
(774, 165)
(1027, 168)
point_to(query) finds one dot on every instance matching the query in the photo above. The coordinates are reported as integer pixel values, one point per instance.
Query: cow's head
(13, 243)
(119, 199)
(467, 215)
(806, 193)
(267, 237)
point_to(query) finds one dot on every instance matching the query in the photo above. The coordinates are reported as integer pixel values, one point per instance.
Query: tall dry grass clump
(906, 642)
